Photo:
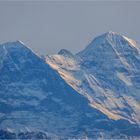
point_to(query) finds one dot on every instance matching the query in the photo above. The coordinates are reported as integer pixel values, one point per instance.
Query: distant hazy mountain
(95, 93)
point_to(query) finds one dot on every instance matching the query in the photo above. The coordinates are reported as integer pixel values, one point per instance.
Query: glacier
(94, 93)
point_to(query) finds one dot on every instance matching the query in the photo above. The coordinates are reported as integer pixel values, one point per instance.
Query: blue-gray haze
(48, 26)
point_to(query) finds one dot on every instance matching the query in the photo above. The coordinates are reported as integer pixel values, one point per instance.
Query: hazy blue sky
(47, 27)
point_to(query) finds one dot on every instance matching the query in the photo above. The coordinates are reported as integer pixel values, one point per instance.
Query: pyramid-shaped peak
(112, 34)
(108, 36)
(110, 41)
(16, 49)
(15, 45)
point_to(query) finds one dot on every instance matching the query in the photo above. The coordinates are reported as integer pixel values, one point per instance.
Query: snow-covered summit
(112, 48)
(110, 41)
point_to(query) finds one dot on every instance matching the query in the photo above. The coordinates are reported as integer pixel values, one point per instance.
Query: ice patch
(125, 79)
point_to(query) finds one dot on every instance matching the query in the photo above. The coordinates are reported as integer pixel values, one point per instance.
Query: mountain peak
(14, 50)
(65, 53)
(111, 33)
(115, 37)
(101, 39)
(17, 42)
(111, 43)
(14, 46)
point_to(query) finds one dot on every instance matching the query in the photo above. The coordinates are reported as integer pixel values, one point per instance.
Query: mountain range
(92, 94)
